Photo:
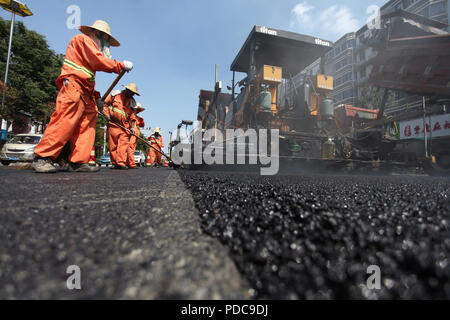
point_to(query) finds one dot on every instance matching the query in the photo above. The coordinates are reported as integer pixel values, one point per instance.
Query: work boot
(83, 167)
(133, 168)
(117, 167)
(43, 165)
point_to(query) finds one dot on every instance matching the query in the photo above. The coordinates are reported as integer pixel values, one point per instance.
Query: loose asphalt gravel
(314, 236)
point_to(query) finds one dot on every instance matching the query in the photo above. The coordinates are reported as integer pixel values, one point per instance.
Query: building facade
(400, 102)
(340, 63)
(350, 61)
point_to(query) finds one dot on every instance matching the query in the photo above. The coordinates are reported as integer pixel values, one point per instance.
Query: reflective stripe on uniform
(119, 111)
(79, 68)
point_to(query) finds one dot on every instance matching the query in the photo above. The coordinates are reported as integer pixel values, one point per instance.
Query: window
(363, 73)
(424, 12)
(436, 9)
(362, 56)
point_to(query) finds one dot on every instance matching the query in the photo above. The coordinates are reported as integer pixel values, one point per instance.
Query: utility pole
(425, 133)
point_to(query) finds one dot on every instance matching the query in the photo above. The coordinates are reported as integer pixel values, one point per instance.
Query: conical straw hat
(133, 88)
(102, 26)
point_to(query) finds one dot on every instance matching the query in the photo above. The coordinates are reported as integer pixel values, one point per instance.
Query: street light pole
(13, 18)
(15, 7)
(4, 123)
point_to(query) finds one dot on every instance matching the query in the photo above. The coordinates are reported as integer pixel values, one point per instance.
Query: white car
(139, 158)
(20, 148)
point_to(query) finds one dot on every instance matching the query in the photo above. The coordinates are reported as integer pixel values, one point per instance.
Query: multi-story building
(350, 61)
(437, 10)
(340, 63)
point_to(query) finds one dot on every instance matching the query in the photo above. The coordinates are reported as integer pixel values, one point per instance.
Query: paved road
(314, 236)
(134, 234)
(142, 234)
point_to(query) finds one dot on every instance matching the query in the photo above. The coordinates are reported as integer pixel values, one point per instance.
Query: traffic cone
(93, 160)
(148, 164)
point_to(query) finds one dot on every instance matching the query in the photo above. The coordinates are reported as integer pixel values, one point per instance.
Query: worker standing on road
(75, 117)
(133, 140)
(156, 141)
(119, 108)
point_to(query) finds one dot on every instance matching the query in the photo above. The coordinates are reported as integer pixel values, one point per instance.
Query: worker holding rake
(119, 109)
(75, 117)
(157, 143)
(139, 123)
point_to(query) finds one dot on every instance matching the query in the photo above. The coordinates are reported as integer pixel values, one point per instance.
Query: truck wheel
(441, 165)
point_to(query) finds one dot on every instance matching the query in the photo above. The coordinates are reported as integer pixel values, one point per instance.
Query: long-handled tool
(171, 163)
(113, 85)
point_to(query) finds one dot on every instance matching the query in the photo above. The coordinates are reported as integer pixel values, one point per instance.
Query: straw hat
(133, 88)
(139, 107)
(102, 26)
(158, 130)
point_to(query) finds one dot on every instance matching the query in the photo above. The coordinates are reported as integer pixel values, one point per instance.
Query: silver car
(139, 158)
(20, 148)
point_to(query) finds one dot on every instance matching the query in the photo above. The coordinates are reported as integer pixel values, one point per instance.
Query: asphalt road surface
(162, 234)
(134, 235)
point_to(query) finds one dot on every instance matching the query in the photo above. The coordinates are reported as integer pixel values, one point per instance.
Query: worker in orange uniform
(75, 117)
(156, 141)
(133, 140)
(119, 107)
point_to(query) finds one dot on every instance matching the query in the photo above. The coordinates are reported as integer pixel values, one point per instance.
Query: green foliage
(33, 70)
(371, 97)
(142, 146)
(100, 136)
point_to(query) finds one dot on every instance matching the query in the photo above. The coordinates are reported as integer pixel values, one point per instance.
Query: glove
(133, 131)
(128, 66)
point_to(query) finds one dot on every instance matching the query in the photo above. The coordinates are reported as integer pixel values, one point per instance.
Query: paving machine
(412, 56)
(304, 114)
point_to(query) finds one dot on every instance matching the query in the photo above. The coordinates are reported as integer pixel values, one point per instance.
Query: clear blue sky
(175, 44)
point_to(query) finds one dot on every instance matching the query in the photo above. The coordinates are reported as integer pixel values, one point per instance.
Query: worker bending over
(133, 140)
(75, 117)
(156, 141)
(119, 108)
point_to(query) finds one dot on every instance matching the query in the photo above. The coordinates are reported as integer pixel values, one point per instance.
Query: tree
(33, 70)
(371, 97)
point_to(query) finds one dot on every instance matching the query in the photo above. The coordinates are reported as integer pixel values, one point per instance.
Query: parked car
(105, 160)
(139, 158)
(20, 148)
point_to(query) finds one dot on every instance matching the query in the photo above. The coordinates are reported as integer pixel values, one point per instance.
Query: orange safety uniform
(133, 141)
(118, 139)
(154, 155)
(76, 111)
